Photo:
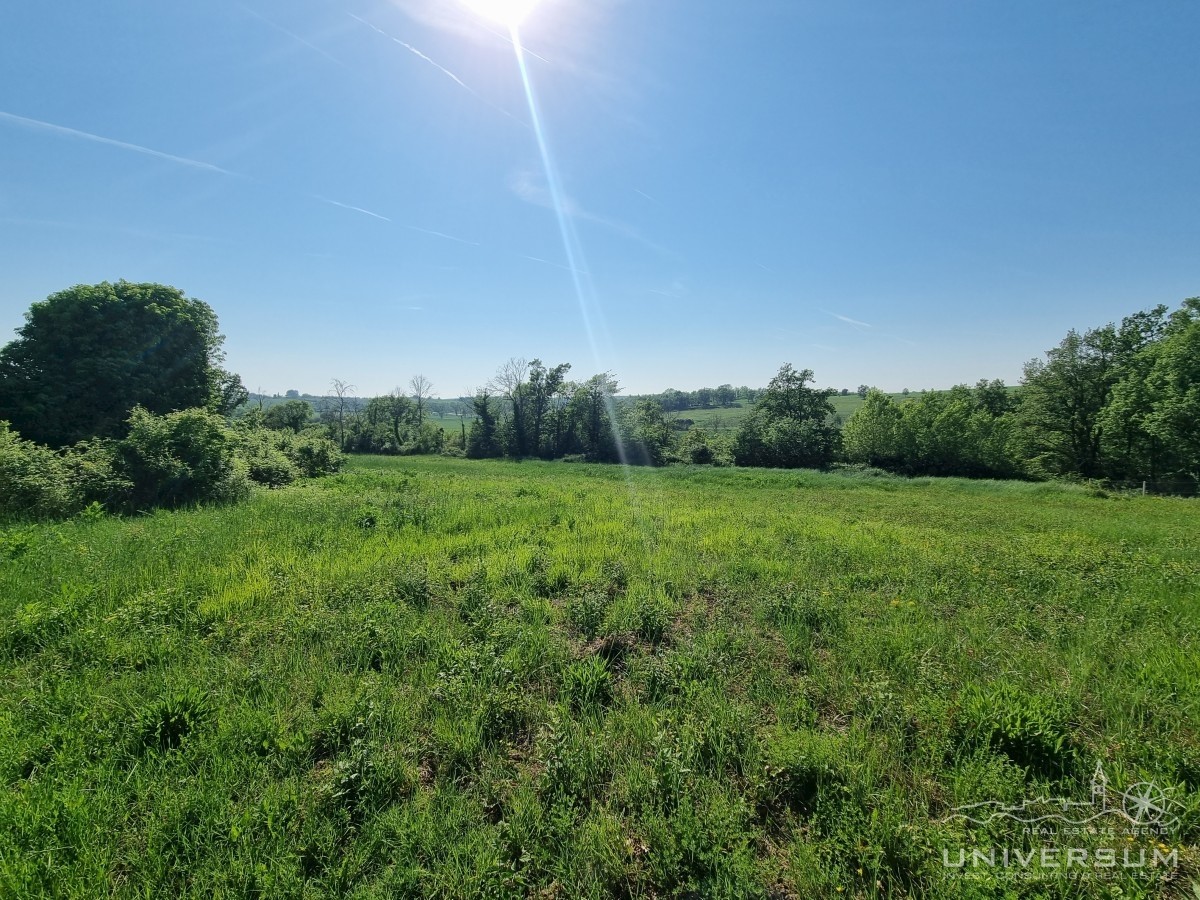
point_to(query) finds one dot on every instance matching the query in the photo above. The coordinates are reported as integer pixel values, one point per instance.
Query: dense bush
(266, 456)
(37, 482)
(180, 458)
(165, 461)
(314, 456)
(32, 478)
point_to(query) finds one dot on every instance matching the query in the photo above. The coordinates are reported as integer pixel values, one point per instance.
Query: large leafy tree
(86, 356)
(1174, 420)
(873, 435)
(1064, 395)
(790, 425)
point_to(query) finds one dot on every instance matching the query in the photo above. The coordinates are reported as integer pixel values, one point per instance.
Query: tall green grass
(439, 678)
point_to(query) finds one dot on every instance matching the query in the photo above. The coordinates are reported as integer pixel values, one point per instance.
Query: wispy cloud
(375, 215)
(292, 35)
(546, 262)
(413, 50)
(526, 187)
(357, 209)
(860, 325)
(676, 290)
(647, 196)
(849, 321)
(63, 131)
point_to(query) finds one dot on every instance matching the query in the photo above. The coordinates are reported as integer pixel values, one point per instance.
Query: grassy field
(444, 678)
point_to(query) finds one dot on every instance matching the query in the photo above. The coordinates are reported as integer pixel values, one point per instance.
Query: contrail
(98, 139)
(508, 40)
(847, 319)
(411, 49)
(203, 166)
(462, 84)
(357, 209)
(440, 234)
(292, 35)
(538, 259)
(375, 215)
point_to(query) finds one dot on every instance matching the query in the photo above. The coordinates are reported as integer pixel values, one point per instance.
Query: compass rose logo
(1143, 804)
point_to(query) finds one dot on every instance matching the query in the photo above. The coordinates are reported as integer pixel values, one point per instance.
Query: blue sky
(903, 194)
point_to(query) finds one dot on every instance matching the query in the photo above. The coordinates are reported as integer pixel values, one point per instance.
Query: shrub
(180, 458)
(92, 470)
(315, 456)
(32, 478)
(183, 457)
(266, 456)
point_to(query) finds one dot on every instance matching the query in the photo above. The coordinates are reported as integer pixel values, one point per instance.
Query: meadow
(430, 677)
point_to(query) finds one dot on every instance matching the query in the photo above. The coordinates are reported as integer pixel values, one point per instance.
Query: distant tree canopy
(725, 395)
(291, 414)
(87, 356)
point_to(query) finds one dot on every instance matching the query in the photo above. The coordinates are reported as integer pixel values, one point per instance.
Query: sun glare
(507, 12)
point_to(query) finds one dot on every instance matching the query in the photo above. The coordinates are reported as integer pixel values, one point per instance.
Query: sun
(507, 12)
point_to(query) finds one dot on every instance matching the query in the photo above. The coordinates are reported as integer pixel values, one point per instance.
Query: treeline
(1119, 403)
(725, 395)
(113, 396)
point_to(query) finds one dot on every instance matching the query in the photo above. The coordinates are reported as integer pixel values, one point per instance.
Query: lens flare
(571, 245)
(507, 12)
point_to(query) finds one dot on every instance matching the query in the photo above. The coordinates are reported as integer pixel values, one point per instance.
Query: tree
(509, 383)
(422, 389)
(647, 432)
(481, 441)
(862, 391)
(462, 412)
(292, 414)
(1063, 396)
(341, 393)
(590, 405)
(789, 426)
(543, 387)
(1173, 421)
(399, 410)
(86, 356)
(874, 433)
(673, 400)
